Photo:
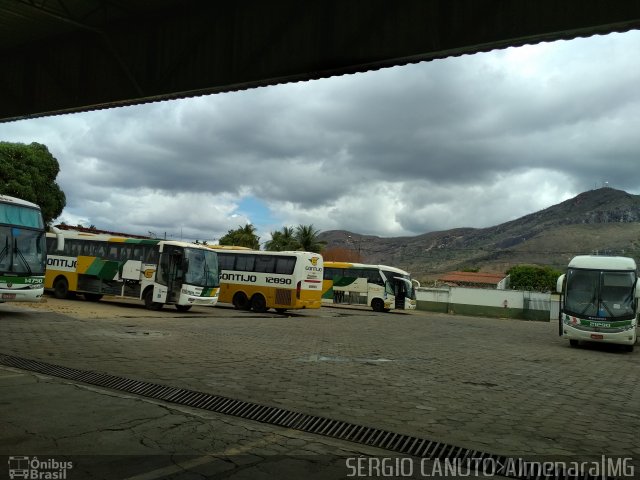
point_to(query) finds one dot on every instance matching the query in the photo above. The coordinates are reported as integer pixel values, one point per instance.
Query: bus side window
(225, 261)
(245, 263)
(373, 276)
(285, 265)
(101, 251)
(73, 248)
(51, 245)
(265, 264)
(331, 273)
(113, 251)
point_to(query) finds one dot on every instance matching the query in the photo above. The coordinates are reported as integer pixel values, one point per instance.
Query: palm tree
(282, 240)
(307, 239)
(242, 237)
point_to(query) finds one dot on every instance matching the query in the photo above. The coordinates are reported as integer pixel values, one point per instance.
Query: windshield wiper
(593, 303)
(4, 251)
(24, 260)
(604, 304)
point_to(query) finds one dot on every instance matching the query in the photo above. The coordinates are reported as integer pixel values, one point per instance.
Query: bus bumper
(22, 295)
(626, 337)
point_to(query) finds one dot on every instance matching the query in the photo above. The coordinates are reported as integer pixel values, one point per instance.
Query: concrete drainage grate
(373, 437)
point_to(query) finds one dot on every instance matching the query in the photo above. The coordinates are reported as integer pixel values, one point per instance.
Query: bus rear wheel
(258, 303)
(281, 310)
(241, 302)
(377, 305)
(148, 301)
(60, 288)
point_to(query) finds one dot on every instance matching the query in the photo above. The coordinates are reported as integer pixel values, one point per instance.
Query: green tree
(242, 237)
(29, 172)
(307, 239)
(282, 240)
(533, 277)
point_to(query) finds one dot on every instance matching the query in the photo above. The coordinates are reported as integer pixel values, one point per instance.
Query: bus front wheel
(61, 288)
(183, 308)
(148, 301)
(258, 304)
(573, 343)
(377, 305)
(93, 297)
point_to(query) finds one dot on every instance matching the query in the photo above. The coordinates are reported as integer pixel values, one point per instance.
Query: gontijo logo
(313, 267)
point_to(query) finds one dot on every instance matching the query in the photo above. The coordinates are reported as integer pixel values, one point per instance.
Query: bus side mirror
(560, 283)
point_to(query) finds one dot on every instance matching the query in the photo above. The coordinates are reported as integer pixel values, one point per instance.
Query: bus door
(400, 290)
(171, 272)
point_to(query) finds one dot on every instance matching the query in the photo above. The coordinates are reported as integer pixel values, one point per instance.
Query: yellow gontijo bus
(158, 272)
(379, 286)
(259, 280)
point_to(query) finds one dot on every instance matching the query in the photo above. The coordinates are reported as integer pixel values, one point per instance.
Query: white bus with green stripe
(380, 287)
(22, 251)
(158, 272)
(599, 300)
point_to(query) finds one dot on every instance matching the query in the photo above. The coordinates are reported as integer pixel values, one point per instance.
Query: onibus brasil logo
(36, 469)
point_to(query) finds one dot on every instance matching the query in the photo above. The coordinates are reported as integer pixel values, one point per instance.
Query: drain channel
(373, 437)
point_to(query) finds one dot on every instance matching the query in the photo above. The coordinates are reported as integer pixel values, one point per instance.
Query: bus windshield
(21, 216)
(202, 268)
(22, 251)
(596, 293)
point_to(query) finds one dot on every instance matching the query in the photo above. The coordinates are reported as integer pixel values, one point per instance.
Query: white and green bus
(380, 287)
(22, 251)
(158, 272)
(599, 300)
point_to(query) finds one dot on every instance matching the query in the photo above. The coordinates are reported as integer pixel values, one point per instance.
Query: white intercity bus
(23, 253)
(599, 300)
(259, 280)
(380, 287)
(158, 272)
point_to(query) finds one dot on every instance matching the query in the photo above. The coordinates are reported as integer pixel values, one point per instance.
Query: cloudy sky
(472, 141)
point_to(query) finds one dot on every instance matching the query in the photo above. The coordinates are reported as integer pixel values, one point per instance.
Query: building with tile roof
(495, 281)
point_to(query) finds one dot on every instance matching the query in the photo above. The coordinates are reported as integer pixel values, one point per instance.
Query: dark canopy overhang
(61, 56)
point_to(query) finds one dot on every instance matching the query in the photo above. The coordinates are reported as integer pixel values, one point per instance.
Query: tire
(241, 302)
(183, 308)
(281, 310)
(60, 288)
(93, 297)
(377, 305)
(148, 300)
(258, 304)
(628, 348)
(573, 343)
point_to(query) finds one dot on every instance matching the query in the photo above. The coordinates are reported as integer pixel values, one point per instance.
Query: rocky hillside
(603, 220)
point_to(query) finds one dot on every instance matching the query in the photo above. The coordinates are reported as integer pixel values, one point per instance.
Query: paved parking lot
(506, 387)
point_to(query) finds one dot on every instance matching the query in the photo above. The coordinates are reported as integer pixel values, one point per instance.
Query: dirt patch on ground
(108, 307)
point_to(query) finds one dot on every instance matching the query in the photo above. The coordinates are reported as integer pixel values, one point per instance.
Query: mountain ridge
(603, 220)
